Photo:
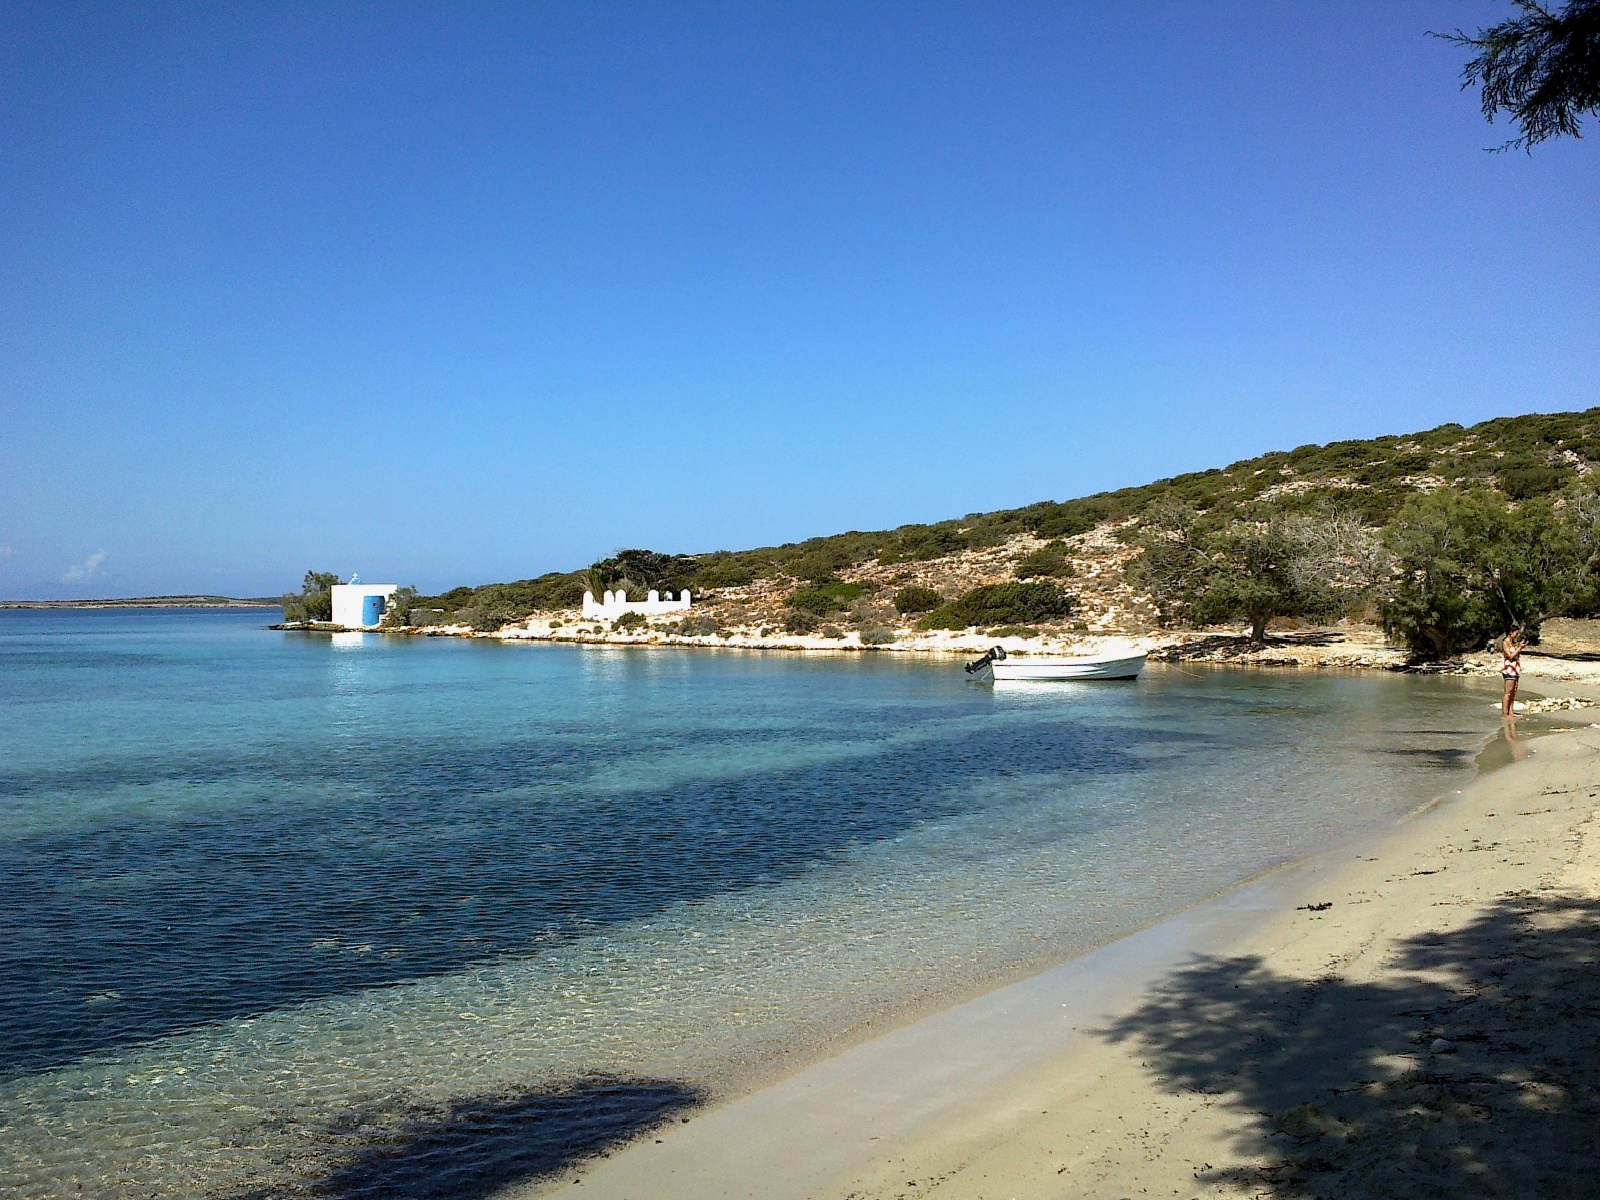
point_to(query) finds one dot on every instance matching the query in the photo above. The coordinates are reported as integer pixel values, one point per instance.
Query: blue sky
(454, 293)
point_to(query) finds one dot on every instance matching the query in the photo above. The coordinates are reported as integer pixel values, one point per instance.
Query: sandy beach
(1414, 1016)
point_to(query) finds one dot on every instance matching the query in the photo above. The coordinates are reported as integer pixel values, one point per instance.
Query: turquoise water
(374, 916)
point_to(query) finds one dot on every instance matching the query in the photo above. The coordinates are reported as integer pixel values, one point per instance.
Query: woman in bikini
(1511, 670)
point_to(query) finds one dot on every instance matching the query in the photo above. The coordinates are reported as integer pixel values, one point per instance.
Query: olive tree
(1290, 565)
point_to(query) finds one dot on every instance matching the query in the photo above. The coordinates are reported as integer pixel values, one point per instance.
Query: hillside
(844, 586)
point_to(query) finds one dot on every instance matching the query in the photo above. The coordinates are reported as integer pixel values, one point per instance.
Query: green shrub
(916, 600)
(1047, 562)
(488, 617)
(877, 635)
(826, 598)
(546, 593)
(628, 621)
(1470, 567)
(1524, 483)
(1002, 604)
(314, 602)
(723, 572)
(800, 621)
(697, 625)
(1070, 519)
(1012, 631)
(397, 609)
(831, 631)
(921, 543)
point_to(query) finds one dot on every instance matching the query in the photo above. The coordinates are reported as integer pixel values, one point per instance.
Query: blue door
(371, 609)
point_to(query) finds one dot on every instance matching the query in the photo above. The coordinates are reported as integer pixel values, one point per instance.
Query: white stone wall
(350, 598)
(613, 604)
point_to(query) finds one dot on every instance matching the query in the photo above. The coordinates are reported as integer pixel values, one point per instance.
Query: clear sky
(453, 293)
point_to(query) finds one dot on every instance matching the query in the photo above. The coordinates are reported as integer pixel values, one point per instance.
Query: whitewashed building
(614, 604)
(358, 605)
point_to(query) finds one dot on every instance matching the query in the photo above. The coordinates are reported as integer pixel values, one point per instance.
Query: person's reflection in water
(1509, 747)
(1515, 743)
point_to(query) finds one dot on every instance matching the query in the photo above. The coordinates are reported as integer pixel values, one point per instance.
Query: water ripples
(387, 913)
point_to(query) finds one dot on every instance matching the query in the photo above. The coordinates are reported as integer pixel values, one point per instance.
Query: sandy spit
(1419, 1016)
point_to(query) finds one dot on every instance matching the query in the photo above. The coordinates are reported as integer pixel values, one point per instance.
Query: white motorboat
(1120, 664)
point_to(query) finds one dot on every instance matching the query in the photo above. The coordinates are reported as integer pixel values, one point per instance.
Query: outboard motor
(998, 654)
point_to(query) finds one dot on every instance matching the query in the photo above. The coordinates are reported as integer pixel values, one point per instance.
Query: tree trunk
(1258, 627)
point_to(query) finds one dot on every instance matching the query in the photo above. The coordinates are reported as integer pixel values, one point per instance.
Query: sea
(286, 915)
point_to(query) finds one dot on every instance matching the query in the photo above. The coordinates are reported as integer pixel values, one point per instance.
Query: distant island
(151, 602)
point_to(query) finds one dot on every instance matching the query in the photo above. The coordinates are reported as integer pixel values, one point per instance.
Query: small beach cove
(401, 911)
(1410, 1014)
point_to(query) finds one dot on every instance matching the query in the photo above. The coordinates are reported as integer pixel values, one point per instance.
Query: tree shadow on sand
(1472, 1069)
(475, 1146)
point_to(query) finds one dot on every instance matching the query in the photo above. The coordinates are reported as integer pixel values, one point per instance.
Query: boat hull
(1123, 666)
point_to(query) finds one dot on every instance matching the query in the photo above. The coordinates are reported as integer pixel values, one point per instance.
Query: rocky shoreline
(1571, 654)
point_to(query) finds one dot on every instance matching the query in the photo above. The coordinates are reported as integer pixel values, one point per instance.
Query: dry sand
(1415, 1017)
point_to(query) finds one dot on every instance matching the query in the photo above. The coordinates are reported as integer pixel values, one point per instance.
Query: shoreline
(1337, 648)
(1097, 1077)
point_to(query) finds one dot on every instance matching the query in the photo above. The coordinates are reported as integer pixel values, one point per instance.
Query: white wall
(350, 598)
(613, 605)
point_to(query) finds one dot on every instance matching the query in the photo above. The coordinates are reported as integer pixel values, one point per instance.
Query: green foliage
(1470, 567)
(547, 593)
(397, 609)
(877, 635)
(1523, 483)
(1527, 457)
(314, 602)
(644, 569)
(1261, 573)
(798, 620)
(921, 543)
(1543, 68)
(1002, 604)
(826, 598)
(696, 625)
(1295, 564)
(831, 631)
(1047, 562)
(1174, 566)
(1004, 631)
(916, 600)
(628, 621)
(488, 616)
(722, 571)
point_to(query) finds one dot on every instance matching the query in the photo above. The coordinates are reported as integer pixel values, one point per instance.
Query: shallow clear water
(276, 905)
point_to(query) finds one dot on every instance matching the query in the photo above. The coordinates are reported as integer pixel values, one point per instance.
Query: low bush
(831, 631)
(697, 626)
(723, 573)
(800, 621)
(488, 617)
(826, 598)
(916, 600)
(1002, 604)
(877, 635)
(1021, 631)
(627, 621)
(1047, 562)
(922, 543)
(1524, 483)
